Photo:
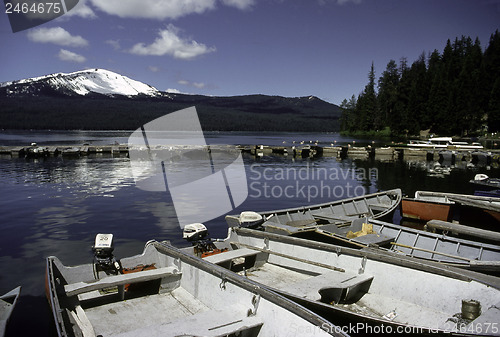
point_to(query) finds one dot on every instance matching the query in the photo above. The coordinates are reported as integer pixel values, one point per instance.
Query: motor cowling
(103, 254)
(195, 232)
(250, 219)
(481, 176)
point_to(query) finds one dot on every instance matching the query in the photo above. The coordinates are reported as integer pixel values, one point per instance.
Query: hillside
(99, 99)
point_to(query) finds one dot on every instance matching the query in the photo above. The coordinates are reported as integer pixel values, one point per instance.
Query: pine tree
(348, 117)
(438, 94)
(388, 92)
(367, 105)
(453, 93)
(491, 64)
(418, 96)
(494, 108)
(401, 124)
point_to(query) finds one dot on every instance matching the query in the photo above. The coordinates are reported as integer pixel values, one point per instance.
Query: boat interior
(165, 298)
(333, 217)
(347, 282)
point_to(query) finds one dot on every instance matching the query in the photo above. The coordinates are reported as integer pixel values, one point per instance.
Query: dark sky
(235, 47)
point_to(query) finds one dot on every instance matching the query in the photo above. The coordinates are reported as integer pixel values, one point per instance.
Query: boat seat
(333, 231)
(294, 219)
(120, 280)
(332, 287)
(274, 227)
(230, 255)
(329, 216)
(375, 239)
(379, 207)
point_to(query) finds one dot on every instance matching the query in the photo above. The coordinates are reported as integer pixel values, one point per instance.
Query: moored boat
(425, 209)
(35, 151)
(378, 205)
(444, 143)
(486, 182)
(166, 292)
(7, 303)
(70, 152)
(469, 209)
(412, 242)
(362, 233)
(379, 288)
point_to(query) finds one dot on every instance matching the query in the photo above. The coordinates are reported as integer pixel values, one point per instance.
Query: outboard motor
(251, 219)
(104, 259)
(481, 176)
(197, 234)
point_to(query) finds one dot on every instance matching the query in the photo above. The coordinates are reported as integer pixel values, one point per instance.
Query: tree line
(456, 92)
(96, 112)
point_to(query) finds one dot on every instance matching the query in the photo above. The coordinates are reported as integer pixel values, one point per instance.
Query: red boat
(472, 210)
(426, 210)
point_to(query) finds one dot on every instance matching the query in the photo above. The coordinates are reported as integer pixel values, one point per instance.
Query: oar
(292, 257)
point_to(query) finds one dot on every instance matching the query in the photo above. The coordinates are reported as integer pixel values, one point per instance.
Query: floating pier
(36, 151)
(482, 157)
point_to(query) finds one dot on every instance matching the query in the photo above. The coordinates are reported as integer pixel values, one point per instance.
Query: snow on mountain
(83, 82)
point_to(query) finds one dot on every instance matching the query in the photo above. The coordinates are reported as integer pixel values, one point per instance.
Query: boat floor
(407, 312)
(372, 305)
(4, 310)
(177, 312)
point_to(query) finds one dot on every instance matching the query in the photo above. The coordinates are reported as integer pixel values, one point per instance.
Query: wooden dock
(302, 151)
(62, 150)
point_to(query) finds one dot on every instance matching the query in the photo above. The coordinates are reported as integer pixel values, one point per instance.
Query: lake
(56, 206)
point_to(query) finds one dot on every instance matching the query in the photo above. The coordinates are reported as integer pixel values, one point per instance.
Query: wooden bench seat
(329, 216)
(379, 207)
(332, 286)
(275, 227)
(120, 280)
(230, 255)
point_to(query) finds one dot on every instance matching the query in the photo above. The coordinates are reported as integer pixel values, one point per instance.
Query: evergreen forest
(454, 93)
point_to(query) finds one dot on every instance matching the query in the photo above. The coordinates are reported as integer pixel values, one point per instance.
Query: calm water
(57, 205)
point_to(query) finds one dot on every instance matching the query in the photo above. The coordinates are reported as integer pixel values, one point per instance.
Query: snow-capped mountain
(98, 99)
(81, 83)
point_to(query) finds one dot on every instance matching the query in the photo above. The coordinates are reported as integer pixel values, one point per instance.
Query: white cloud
(170, 43)
(153, 9)
(114, 43)
(57, 36)
(173, 91)
(82, 9)
(240, 4)
(154, 69)
(68, 56)
(198, 85)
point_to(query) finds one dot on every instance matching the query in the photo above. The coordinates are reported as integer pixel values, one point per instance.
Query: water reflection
(165, 219)
(85, 177)
(56, 206)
